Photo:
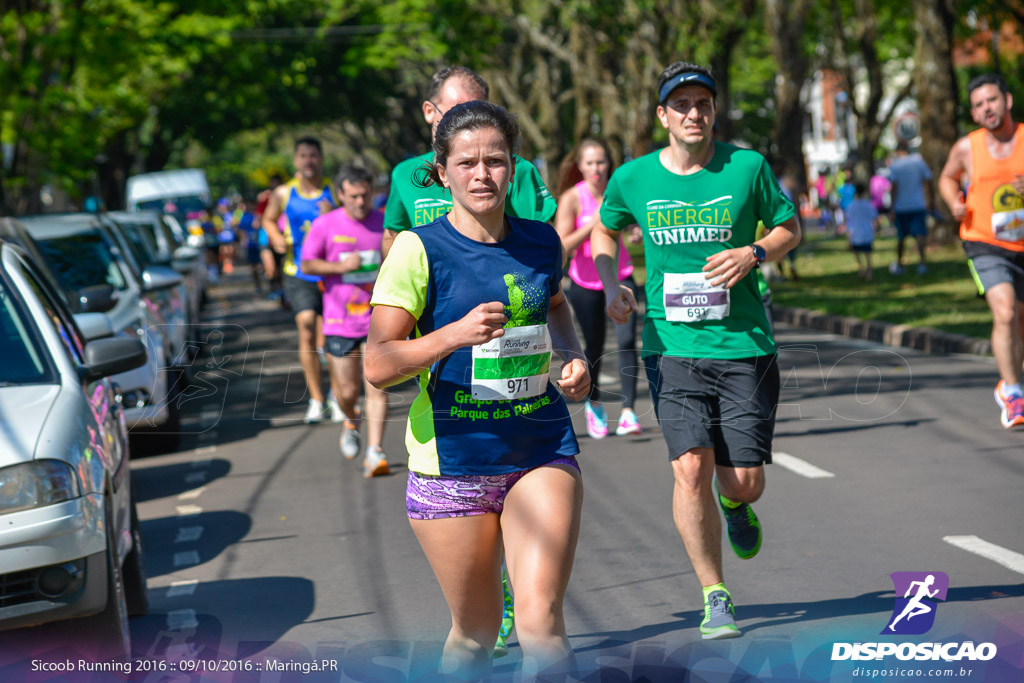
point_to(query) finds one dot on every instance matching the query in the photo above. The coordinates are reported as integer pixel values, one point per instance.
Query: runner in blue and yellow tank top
(299, 202)
(300, 210)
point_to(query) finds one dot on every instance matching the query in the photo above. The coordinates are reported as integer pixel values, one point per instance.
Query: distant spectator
(823, 188)
(880, 190)
(861, 222)
(911, 181)
(845, 191)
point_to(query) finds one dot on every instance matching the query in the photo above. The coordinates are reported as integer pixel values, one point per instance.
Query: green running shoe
(508, 620)
(743, 526)
(719, 620)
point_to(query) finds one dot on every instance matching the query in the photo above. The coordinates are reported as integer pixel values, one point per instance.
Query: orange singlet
(995, 211)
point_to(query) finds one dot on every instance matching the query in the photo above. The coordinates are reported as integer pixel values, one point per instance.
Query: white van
(179, 192)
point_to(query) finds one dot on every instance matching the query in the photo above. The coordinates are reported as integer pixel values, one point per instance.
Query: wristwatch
(759, 253)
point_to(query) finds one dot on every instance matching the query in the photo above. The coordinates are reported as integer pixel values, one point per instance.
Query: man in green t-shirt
(410, 205)
(707, 345)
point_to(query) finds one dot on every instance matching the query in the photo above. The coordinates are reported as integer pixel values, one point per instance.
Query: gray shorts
(727, 405)
(989, 270)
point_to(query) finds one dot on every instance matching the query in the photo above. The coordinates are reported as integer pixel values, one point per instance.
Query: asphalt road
(263, 544)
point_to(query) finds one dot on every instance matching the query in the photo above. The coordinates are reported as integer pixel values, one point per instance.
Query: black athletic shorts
(727, 405)
(339, 347)
(303, 295)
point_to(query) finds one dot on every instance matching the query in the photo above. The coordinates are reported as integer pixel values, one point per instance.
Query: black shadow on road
(167, 537)
(878, 602)
(253, 614)
(163, 481)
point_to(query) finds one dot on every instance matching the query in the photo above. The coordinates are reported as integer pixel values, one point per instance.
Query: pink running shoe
(597, 421)
(628, 424)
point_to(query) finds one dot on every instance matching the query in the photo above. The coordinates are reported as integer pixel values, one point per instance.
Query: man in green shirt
(707, 345)
(410, 205)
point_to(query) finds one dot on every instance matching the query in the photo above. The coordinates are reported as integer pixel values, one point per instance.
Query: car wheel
(110, 627)
(136, 593)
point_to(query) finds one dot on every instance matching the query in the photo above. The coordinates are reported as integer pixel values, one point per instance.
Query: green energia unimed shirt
(410, 206)
(687, 218)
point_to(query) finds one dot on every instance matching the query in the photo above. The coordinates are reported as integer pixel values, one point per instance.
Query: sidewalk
(925, 339)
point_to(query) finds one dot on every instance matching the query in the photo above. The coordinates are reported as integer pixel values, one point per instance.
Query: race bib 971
(515, 365)
(690, 298)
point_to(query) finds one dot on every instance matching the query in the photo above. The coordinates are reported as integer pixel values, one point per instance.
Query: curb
(926, 339)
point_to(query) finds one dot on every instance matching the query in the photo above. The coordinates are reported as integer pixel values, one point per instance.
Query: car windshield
(82, 260)
(23, 361)
(145, 252)
(177, 205)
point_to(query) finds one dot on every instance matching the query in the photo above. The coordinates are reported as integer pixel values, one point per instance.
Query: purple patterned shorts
(437, 497)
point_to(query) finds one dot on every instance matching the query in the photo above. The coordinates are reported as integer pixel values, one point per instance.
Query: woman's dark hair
(473, 115)
(569, 173)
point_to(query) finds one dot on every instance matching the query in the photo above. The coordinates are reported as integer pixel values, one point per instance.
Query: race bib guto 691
(369, 265)
(515, 365)
(690, 298)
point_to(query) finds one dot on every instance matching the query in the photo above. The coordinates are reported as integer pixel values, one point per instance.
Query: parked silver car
(82, 255)
(70, 545)
(165, 240)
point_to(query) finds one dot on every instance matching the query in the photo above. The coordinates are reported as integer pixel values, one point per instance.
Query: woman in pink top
(584, 176)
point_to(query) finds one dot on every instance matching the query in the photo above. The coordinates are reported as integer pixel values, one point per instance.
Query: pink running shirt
(332, 237)
(581, 268)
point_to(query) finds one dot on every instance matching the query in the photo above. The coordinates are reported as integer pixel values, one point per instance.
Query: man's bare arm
(949, 180)
(270, 217)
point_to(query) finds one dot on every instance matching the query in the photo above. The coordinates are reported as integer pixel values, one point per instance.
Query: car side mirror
(96, 299)
(94, 325)
(106, 357)
(186, 253)
(159, 277)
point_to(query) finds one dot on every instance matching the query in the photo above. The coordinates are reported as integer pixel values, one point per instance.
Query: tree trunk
(935, 82)
(785, 22)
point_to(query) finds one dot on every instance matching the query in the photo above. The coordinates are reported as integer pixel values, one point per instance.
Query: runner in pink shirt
(343, 246)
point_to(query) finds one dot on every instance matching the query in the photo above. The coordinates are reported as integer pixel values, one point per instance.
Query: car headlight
(37, 484)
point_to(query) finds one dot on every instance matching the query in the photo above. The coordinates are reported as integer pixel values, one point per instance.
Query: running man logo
(914, 613)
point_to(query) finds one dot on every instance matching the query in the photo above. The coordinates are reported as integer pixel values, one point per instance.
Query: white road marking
(185, 510)
(181, 619)
(193, 494)
(990, 551)
(801, 467)
(180, 588)
(195, 477)
(189, 533)
(189, 558)
(202, 463)
(203, 450)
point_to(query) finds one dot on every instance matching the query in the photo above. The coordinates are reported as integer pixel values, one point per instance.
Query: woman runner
(472, 305)
(584, 176)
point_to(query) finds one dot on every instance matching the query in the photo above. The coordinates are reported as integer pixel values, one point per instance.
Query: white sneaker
(376, 464)
(337, 414)
(315, 412)
(349, 441)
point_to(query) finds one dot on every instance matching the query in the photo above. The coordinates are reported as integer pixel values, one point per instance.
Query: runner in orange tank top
(983, 184)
